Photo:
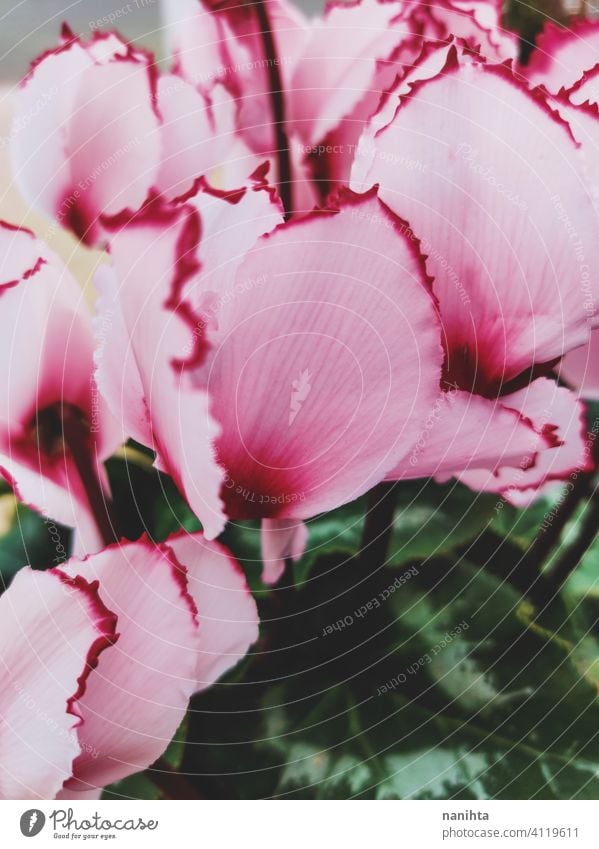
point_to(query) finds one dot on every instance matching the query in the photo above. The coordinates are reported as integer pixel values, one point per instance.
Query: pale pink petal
(464, 431)
(282, 539)
(315, 397)
(230, 228)
(332, 159)
(586, 89)
(431, 62)
(46, 344)
(563, 54)
(227, 613)
(117, 371)
(42, 115)
(583, 120)
(137, 696)
(580, 369)
(554, 413)
(162, 330)
(199, 138)
(189, 252)
(91, 147)
(200, 42)
(47, 350)
(339, 63)
(477, 22)
(53, 631)
(493, 184)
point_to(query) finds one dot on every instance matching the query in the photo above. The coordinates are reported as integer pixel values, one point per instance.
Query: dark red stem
(79, 442)
(277, 99)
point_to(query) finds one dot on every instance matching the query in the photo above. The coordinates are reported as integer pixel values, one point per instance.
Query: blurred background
(29, 26)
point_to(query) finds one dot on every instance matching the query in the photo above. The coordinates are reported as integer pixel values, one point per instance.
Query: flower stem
(277, 99)
(571, 557)
(378, 524)
(77, 438)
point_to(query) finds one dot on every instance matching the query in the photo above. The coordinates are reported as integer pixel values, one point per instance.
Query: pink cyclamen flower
(214, 42)
(566, 62)
(333, 68)
(100, 657)
(98, 131)
(277, 376)
(495, 194)
(580, 369)
(55, 428)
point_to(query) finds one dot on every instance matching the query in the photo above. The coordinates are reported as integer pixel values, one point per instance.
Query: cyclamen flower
(100, 657)
(55, 429)
(499, 190)
(566, 63)
(206, 357)
(333, 69)
(114, 133)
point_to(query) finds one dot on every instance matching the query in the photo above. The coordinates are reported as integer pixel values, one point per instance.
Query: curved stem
(586, 536)
(277, 99)
(546, 541)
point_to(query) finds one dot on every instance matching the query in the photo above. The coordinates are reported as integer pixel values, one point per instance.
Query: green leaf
(29, 539)
(147, 501)
(439, 681)
(136, 786)
(433, 520)
(173, 755)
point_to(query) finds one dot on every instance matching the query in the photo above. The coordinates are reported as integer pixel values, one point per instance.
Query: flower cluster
(339, 251)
